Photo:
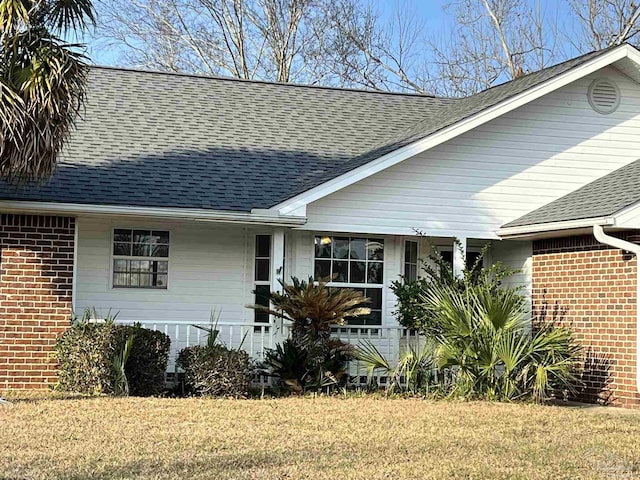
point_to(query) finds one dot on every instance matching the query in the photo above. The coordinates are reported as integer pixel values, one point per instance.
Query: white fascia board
(200, 215)
(626, 215)
(528, 230)
(455, 130)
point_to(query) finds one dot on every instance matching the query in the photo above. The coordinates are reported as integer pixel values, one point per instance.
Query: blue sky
(430, 11)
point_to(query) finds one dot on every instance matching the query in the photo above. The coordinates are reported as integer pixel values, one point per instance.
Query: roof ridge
(266, 82)
(534, 72)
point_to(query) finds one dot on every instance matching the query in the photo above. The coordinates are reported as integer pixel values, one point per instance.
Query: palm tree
(313, 307)
(42, 82)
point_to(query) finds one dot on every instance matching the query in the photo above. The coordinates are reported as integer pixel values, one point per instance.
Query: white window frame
(380, 286)
(254, 257)
(113, 257)
(404, 261)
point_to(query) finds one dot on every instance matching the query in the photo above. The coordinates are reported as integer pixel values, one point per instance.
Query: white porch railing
(256, 338)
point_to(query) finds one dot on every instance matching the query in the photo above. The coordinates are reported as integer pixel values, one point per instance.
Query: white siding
(516, 255)
(209, 267)
(473, 184)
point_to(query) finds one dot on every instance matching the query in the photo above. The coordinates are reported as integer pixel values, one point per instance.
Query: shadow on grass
(209, 466)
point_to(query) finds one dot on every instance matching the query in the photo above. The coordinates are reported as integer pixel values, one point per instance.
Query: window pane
(120, 279)
(340, 248)
(374, 272)
(375, 295)
(375, 249)
(358, 272)
(472, 257)
(141, 250)
(358, 248)
(263, 246)
(261, 298)
(161, 280)
(262, 269)
(134, 265)
(145, 280)
(160, 237)
(134, 279)
(447, 256)
(122, 249)
(340, 271)
(160, 251)
(120, 265)
(322, 269)
(411, 252)
(374, 318)
(123, 236)
(144, 266)
(162, 267)
(141, 236)
(323, 247)
(410, 272)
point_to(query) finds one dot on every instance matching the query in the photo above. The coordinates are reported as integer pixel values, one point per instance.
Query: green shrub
(86, 354)
(147, 363)
(302, 366)
(215, 370)
(485, 338)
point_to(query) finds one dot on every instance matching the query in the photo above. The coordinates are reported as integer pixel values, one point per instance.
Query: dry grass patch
(357, 438)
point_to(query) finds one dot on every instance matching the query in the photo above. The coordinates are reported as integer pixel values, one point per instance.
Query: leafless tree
(244, 38)
(352, 43)
(492, 41)
(604, 23)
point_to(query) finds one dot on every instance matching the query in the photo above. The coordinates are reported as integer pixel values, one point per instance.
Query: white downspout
(602, 237)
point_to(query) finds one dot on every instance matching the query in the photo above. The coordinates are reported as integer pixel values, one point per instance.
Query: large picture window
(353, 262)
(140, 258)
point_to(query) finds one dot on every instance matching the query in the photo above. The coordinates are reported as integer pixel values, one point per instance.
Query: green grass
(319, 438)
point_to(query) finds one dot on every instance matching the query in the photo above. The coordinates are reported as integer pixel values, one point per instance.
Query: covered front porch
(170, 275)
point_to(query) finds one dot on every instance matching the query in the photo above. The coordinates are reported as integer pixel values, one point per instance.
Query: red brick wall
(595, 286)
(36, 275)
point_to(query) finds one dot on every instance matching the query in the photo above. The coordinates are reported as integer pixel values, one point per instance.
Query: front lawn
(333, 438)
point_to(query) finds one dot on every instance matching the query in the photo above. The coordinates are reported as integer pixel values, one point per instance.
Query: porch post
(277, 260)
(459, 256)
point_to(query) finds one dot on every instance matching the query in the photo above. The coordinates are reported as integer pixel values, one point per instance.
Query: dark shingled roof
(170, 140)
(600, 198)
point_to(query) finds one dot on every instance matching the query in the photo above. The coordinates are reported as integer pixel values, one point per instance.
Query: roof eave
(452, 131)
(193, 214)
(528, 231)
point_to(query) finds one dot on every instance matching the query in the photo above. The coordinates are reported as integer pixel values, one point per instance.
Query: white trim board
(198, 215)
(297, 203)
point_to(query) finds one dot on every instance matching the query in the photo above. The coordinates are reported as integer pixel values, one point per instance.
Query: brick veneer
(36, 275)
(595, 286)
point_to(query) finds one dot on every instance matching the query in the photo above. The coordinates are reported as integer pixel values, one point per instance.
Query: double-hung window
(140, 258)
(353, 262)
(262, 276)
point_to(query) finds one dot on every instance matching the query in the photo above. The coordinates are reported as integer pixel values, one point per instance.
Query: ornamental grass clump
(485, 337)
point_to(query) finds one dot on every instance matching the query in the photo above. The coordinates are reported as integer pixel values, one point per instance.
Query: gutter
(195, 214)
(598, 233)
(527, 230)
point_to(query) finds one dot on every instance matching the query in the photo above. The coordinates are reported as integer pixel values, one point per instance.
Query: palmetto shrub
(485, 337)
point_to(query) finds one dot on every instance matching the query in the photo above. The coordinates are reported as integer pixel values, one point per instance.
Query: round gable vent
(604, 96)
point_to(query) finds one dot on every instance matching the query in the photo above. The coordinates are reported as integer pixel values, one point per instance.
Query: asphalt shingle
(600, 198)
(166, 140)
